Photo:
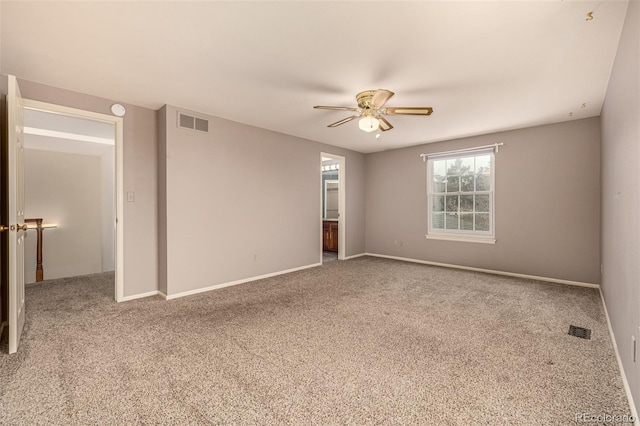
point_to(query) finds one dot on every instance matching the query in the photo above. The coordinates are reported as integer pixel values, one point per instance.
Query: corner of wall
(162, 200)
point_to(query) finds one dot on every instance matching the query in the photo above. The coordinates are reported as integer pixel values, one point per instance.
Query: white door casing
(15, 181)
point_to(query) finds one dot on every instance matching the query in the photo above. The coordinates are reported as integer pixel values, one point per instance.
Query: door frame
(342, 179)
(119, 176)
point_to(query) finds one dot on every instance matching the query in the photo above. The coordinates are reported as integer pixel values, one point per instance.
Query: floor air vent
(186, 121)
(583, 333)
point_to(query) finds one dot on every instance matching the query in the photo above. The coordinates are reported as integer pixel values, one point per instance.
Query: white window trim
(486, 237)
(462, 238)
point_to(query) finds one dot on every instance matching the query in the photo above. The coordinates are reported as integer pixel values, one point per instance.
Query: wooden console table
(39, 227)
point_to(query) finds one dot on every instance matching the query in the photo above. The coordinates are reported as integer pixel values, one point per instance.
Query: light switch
(131, 196)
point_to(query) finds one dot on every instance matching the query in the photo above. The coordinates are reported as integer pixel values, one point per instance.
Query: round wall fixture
(118, 110)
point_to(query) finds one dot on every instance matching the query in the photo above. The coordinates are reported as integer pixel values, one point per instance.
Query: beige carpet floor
(365, 341)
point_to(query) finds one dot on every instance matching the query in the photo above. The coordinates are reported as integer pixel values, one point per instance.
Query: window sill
(462, 238)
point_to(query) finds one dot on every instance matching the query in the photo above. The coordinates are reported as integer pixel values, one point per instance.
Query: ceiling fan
(371, 112)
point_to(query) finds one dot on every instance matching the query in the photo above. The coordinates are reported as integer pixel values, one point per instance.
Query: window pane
(483, 173)
(451, 221)
(466, 221)
(451, 201)
(438, 184)
(453, 167)
(466, 166)
(439, 168)
(482, 222)
(437, 221)
(437, 203)
(453, 183)
(483, 183)
(482, 203)
(466, 183)
(466, 203)
(483, 164)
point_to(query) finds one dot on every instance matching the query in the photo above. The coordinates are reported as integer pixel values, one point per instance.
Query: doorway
(73, 176)
(332, 217)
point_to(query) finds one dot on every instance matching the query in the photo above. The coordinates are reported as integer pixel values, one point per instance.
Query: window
(460, 193)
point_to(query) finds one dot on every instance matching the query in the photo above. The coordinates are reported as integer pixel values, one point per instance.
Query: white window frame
(487, 237)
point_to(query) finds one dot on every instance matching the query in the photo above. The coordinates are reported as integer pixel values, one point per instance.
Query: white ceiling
(483, 66)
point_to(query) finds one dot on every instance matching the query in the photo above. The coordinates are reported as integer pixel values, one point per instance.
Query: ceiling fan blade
(384, 124)
(344, 120)
(408, 111)
(380, 98)
(337, 108)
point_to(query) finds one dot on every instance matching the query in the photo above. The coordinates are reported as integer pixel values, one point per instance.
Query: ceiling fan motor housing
(364, 99)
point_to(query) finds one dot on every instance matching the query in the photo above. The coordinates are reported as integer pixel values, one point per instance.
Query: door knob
(22, 227)
(3, 228)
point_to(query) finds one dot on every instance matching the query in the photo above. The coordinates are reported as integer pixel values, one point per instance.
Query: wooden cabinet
(330, 235)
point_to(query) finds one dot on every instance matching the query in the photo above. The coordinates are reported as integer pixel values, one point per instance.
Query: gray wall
(239, 192)
(140, 175)
(65, 189)
(621, 196)
(547, 214)
(107, 169)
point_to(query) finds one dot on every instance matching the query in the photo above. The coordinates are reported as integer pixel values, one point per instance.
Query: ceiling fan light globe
(369, 124)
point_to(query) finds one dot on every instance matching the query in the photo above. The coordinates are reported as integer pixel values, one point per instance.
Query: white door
(15, 141)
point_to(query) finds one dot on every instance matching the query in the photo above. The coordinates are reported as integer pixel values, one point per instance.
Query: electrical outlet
(395, 243)
(131, 196)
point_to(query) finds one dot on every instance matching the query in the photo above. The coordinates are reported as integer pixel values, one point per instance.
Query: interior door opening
(333, 207)
(73, 187)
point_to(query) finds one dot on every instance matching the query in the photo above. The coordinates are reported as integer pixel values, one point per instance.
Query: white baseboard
(488, 271)
(625, 383)
(242, 281)
(140, 296)
(355, 256)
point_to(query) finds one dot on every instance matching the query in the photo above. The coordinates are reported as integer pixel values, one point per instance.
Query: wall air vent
(186, 121)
